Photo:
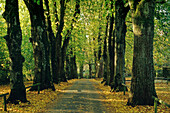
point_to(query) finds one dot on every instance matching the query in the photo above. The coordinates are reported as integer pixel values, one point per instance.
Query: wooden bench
(162, 78)
(125, 88)
(156, 100)
(38, 84)
(4, 95)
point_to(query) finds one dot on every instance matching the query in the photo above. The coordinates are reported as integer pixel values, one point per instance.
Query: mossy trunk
(13, 41)
(142, 86)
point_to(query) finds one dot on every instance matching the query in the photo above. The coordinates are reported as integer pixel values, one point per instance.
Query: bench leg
(5, 106)
(155, 106)
(124, 90)
(38, 89)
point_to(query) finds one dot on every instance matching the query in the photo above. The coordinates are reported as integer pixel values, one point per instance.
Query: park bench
(162, 78)
(4, 95)
(38, 84)
(125, 87)
(156, 100)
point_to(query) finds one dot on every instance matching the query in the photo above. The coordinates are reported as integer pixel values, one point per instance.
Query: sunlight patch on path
(80, 91)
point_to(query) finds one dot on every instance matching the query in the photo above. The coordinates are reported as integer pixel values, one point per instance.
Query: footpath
(81, 97)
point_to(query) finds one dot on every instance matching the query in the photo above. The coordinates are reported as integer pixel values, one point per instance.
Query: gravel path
(82, 97)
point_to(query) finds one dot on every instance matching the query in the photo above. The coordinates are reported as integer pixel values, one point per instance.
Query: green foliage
(4, 56)
(161, 39)
(27, 50)
(37, 1)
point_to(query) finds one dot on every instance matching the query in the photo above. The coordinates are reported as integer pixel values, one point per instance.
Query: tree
(52, 41)
(120, 33)
(111, 46)
(106, 75)
(61, 41)
(13, 41)
(142, 86)
(99, 58)
(40, 45)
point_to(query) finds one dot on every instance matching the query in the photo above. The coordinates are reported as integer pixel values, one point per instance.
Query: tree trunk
(63, 73)
(52, 42)
(101, 69)
(40, 45)
(61, 50)
(120, 33)
(90, 70)
(75, 67)
(142, 86)
(105, 57)
(81, 70)
(13, 40)
(100, 73)
(105, 52)
(111, 46)
(67, 67)
(59, 42)
(95, 58)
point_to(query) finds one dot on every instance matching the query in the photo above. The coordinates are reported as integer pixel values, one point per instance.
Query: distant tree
(142, 86)
(67, 38)
(106, 75)
(13, 41)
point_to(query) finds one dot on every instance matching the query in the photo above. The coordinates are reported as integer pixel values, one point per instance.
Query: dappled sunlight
(105, 100)
(80, 91)
(65, 110)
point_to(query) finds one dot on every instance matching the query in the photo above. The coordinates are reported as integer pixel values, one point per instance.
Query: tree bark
(105, 56)
(75, 67)
(51, 37)
(81, 70)
(100, 73)
(67, 67)
(90, 70)
(120, 33)
(40, 45)
(111, 46)
(142, 86)
(105, 52)
(13, 41)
